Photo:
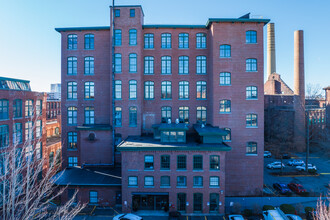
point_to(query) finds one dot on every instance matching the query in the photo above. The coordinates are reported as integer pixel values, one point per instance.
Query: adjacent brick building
(125, 80)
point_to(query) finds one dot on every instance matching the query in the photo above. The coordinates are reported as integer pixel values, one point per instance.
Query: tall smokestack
(271, 57)
(299, 72)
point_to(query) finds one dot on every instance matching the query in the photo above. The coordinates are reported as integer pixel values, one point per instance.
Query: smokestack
(299, 72)
(271, 57)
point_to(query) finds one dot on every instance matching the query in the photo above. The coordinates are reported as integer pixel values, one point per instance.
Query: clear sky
(30, 47)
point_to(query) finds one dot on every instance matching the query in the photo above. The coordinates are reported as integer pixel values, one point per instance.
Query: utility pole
(113, 81)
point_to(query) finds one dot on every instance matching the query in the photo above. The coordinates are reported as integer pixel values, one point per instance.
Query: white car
(293, 217)
(267, 154)
(128, 216)
(296, 163)
(275, 165)
(303, 168)
(235, 217)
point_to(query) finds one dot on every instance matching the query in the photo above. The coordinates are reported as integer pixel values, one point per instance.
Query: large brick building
(131, 79)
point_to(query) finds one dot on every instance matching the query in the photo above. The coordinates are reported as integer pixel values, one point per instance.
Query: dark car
(282, 188)
(297, 188)
(286, 156)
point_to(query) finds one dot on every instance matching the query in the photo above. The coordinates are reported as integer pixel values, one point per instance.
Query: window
(225, 79)
(4, 136)
(198, 162)
(89, 65)
(181, 201)
(183, 90)
(148, 162)
(228, 136)
(251, 65)
(181, 162)
(118, 117)
(51, 158)
(198, 181)
(166, 114)
(148, 41)
(4, 109)
(251, 92)
(183, 40)
(132, 37)
(132, 181)
(117, 37)
(28, 131)
(89, 115)
(93, 197)
(200, 40)
(166, 90)
(72, 42)
(117, 13)
(166, 41)
(214, 181)
(201, 114)
(72, 65)
(72, 90)
(148, 90)
(201, 90)
(184, 114)
(17, 133)
(181, 181)
(17, 107)
(72, 161)
(72, 115)
(132, 63)
(198, 202)
(214, 162)
(89, 41)
(183, 65)
(89, 90)
(201, 65)
(148, 65)
(251, 120)
(132, 89)
(172, 136)
(148, 181)
(251, 37)
(117, 63)
(39, 150)
(117, 89)
(132, 116)
(165, 162)
(72, 140)
(225, 106)
(214, 202)
(39, 107)
(166, 65)
(132, 13)
(225, 51)
(29, 108)
(251, 148)
(38, 128)
(165, 181)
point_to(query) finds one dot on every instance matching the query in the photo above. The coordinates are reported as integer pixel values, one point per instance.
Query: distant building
(55, 92)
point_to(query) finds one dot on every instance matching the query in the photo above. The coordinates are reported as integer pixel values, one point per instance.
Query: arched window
(166, 40)
(132, 89)
(166, 65)
(132, 63)
(166, 90)
(148, 90)
(201, 65)
(200, 40)
(166, 113)
(183, 40)
(148, 65)
(183, 65)
(251, 65)
(72, 115)
(251, 92)
(72, 42)
(183, 90)
(225, 51)
(72, 66)
(89, 41)
(251, 37)
(132, 37)
(89, 65)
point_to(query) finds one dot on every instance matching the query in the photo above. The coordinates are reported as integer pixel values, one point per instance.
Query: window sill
(198, 187)
(201, 48)
(89, 74)
(251, 127)
(182, 170)
(133, 72)
(69, 149)
(252, 99)
(164, 74)
(166, 99)
(202, 74)
(224, 57)
(89, 99)
(88, 49)
(164, 170)
(118, 72)
(227, 141)
(132, 126)
(215, 170)
(184, 99)
(133, 186)
(200, 99)
(183, 48)
(118, 126)
(165, 187)
(181, 187)
(166, 48)
(133, 99)
(72, 99)
(252, 71)
(149, 186)
(251, 43)
(149, 170)
(251, 155)
(198, 170)
(225, 113)
(17, 118)
(149, 99)
(183, 73)
(224, 84)
(149, 48)
(214, 187)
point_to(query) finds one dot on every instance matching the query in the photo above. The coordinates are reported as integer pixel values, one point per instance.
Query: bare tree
(27, 189)
(314, 91)
(322, 209)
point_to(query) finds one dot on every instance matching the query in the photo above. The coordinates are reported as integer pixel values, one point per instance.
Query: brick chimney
(271, 57)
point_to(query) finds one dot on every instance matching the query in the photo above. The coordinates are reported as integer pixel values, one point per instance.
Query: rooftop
(209, 130)
(148, 143)
(53, 140)
(14, 84)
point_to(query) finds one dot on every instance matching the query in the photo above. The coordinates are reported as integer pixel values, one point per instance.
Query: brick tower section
(271, 56)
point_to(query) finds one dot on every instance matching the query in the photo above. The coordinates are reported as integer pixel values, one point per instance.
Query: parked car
(235, 217)
(296, 163)
(297, 188)
(267, 154)
(286, 156)
(128, 216)
(282, 188)
(303, 168)
(293, 217)
(275, 165)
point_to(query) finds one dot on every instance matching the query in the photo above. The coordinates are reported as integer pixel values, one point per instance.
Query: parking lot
(314, 184)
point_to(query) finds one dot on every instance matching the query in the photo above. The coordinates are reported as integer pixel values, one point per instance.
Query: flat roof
(209, 130)
(171, 127)
(14, 79)
(192, 26)
(233, 20)
(94, 127)
(82, 28)
(148, 143)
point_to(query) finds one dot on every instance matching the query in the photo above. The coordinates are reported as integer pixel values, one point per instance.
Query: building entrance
(150, 201)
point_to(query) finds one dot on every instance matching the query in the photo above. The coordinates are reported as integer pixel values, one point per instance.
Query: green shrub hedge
(268, 207)
(288, 209)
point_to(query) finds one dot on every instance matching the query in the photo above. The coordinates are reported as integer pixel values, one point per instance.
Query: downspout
(113, 82)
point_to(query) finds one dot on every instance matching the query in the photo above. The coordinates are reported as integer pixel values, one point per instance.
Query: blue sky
(30, 47)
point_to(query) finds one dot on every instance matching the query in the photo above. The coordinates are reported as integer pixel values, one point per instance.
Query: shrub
(288, 209)
(248, 212)
(268, 207)
(308, 209)
(312, 171)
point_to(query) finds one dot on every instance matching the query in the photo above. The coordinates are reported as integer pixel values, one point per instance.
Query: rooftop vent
(246, 16)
